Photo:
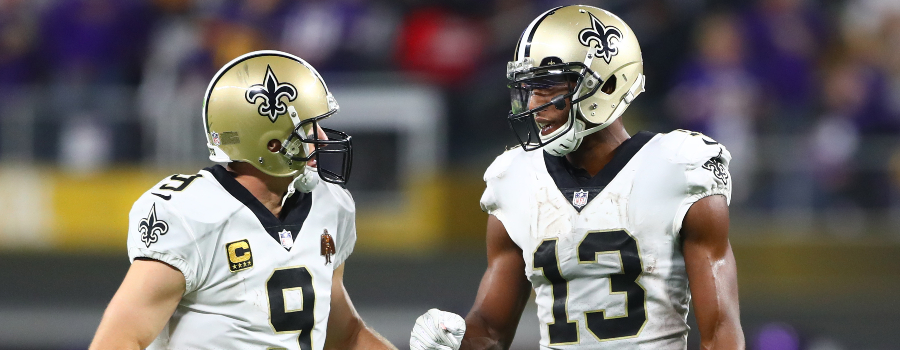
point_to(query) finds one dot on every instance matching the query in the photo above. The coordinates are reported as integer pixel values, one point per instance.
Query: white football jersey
(253, 280)
(603, 253)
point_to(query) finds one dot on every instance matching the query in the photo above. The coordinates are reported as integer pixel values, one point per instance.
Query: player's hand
(437, 330)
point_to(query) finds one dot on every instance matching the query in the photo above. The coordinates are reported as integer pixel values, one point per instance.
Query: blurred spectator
(835, 142)
(784, 39)
(18, 47)
(891, 45)
(91, 51)
(314, 32)
(872, 37)
(341, 35)
(665, 29)
(94, 41)
(716, 95)
(17, 42)
(266, 16)
(440, 46)
(177, 69)
(835, 137)
(72, 68)
(371, 37)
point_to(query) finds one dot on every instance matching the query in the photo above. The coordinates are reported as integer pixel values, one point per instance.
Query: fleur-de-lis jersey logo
(717, 168)
(151, 227)
(607, 38)
(271, 92)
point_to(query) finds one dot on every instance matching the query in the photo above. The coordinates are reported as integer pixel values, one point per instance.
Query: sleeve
(346, 238)
(156, 231)
(706, 173)
(489, 202)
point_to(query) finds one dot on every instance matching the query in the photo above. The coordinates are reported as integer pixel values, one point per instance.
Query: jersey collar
(578, 186)
(293, 212)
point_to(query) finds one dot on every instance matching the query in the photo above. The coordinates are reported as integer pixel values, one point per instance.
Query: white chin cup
(566, 143)
(307, 181)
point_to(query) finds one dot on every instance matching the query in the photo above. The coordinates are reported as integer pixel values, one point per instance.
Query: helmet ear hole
(274, 145)
(609, 86)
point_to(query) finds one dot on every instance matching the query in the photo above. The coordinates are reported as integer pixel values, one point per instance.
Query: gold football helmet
(597, 58)
(264, 107)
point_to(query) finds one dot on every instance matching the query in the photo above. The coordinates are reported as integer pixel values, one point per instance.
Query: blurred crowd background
(805, 94)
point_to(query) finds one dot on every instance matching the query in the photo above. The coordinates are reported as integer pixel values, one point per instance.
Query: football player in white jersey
(606, 228)
(249, 255)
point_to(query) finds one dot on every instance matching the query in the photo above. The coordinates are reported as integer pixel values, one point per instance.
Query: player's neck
(269, 190)
(597, 149)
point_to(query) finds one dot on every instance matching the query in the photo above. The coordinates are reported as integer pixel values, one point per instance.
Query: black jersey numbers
(292, 302)
(705, 138)
(561, 330)
(177, 183)
(625, 282)
(603, 327)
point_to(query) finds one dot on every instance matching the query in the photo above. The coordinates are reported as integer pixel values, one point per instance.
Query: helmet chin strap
(569, 141)
(309, 177)
(572, 139)
(307, 181)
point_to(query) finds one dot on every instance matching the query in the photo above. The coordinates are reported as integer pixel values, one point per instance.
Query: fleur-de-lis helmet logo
(607, 38)
(271, 92)
(151, 227)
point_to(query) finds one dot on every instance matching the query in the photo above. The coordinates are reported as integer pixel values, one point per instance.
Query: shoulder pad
(691, 147)
(196, 197)
(339, 193)
(502, 162)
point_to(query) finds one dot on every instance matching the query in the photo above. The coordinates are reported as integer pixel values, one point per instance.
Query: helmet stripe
(522, 53)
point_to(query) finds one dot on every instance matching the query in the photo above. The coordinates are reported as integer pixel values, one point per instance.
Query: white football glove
(437, 330)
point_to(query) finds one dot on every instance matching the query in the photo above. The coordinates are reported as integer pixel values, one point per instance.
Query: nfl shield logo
(287, 240)
(215, 139)
(580, 199)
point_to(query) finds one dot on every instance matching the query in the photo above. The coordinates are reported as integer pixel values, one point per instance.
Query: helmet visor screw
(260, 160)
(594, 105)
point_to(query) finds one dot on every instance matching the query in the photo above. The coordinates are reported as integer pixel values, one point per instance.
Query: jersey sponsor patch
(151, 227)
(239, 255)
(328, 249)
(230, 138)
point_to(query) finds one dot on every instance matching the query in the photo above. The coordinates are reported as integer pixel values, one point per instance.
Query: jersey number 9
(292, 303)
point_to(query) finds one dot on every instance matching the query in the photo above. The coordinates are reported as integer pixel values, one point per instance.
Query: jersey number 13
(563, 331)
